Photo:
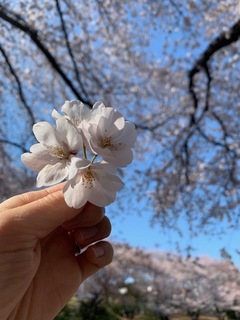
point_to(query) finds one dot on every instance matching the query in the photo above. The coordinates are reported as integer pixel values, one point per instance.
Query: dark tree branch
(223, 40)
(202, 65)
(19, 86)
(20, 24)
(152, 128)
(69, 48)
(14, 144)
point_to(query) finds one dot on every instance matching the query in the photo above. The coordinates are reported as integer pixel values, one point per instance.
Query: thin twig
(14, 144)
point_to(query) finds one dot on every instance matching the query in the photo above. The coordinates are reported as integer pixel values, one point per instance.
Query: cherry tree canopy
(168, 284)
(170, 66)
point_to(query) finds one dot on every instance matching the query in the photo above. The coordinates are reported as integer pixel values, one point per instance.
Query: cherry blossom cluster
(85, 147)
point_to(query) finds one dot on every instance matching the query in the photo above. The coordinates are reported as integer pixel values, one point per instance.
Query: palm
(56, 278)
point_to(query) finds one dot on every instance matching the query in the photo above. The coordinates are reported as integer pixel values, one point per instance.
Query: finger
(42, 216)
(94, 258)
(91, 215)
(86, 236)
(27, 197)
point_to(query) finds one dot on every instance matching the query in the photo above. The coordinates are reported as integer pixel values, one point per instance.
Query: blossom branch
(20, 24)
(202, 65)
(19, 86)
(63, 25)
(223, 40)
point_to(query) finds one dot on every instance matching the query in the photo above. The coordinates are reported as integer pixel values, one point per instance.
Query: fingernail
(98, 251)
(88, 233)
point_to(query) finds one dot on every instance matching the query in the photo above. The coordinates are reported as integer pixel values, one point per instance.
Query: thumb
(39, 213)
(94, 258)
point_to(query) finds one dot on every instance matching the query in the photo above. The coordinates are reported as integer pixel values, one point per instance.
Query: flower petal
(45, 133)
(55, 114)
(38, 158)
(68, 136)
(76, 164)
(128, 134)
(75, 111)
(74, 194)
(120, 157)
(110, 136)
(100, 198)
(106, 166)
(105, 190)
(96, 110)
(52, 174)
(114, 183)
(94, 184)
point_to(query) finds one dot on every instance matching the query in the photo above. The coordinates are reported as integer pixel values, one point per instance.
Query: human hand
(39, 271)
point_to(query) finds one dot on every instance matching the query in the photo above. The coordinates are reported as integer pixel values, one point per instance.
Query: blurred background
(172, 68)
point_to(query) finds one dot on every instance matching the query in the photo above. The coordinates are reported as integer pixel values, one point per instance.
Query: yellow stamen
(59, 152)
(88, 179)
(107, 142)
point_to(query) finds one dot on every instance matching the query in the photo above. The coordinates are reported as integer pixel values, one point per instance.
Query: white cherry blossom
(91, 182)
(101, 132)
(53, 154)
(109, 135)
(75, 111)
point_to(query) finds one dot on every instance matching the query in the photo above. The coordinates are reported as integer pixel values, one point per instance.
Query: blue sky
(134, 229)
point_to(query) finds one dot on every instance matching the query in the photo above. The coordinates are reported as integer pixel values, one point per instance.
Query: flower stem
(84, 151)
(94, 157)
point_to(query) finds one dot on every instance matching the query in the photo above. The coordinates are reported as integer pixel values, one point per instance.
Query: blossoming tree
(171, 67)
(168, 284)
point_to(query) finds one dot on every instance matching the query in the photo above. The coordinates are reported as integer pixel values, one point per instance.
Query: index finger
(37, 218)
(28, 197)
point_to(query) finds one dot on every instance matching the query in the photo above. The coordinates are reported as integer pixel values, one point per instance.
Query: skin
(39, 271)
